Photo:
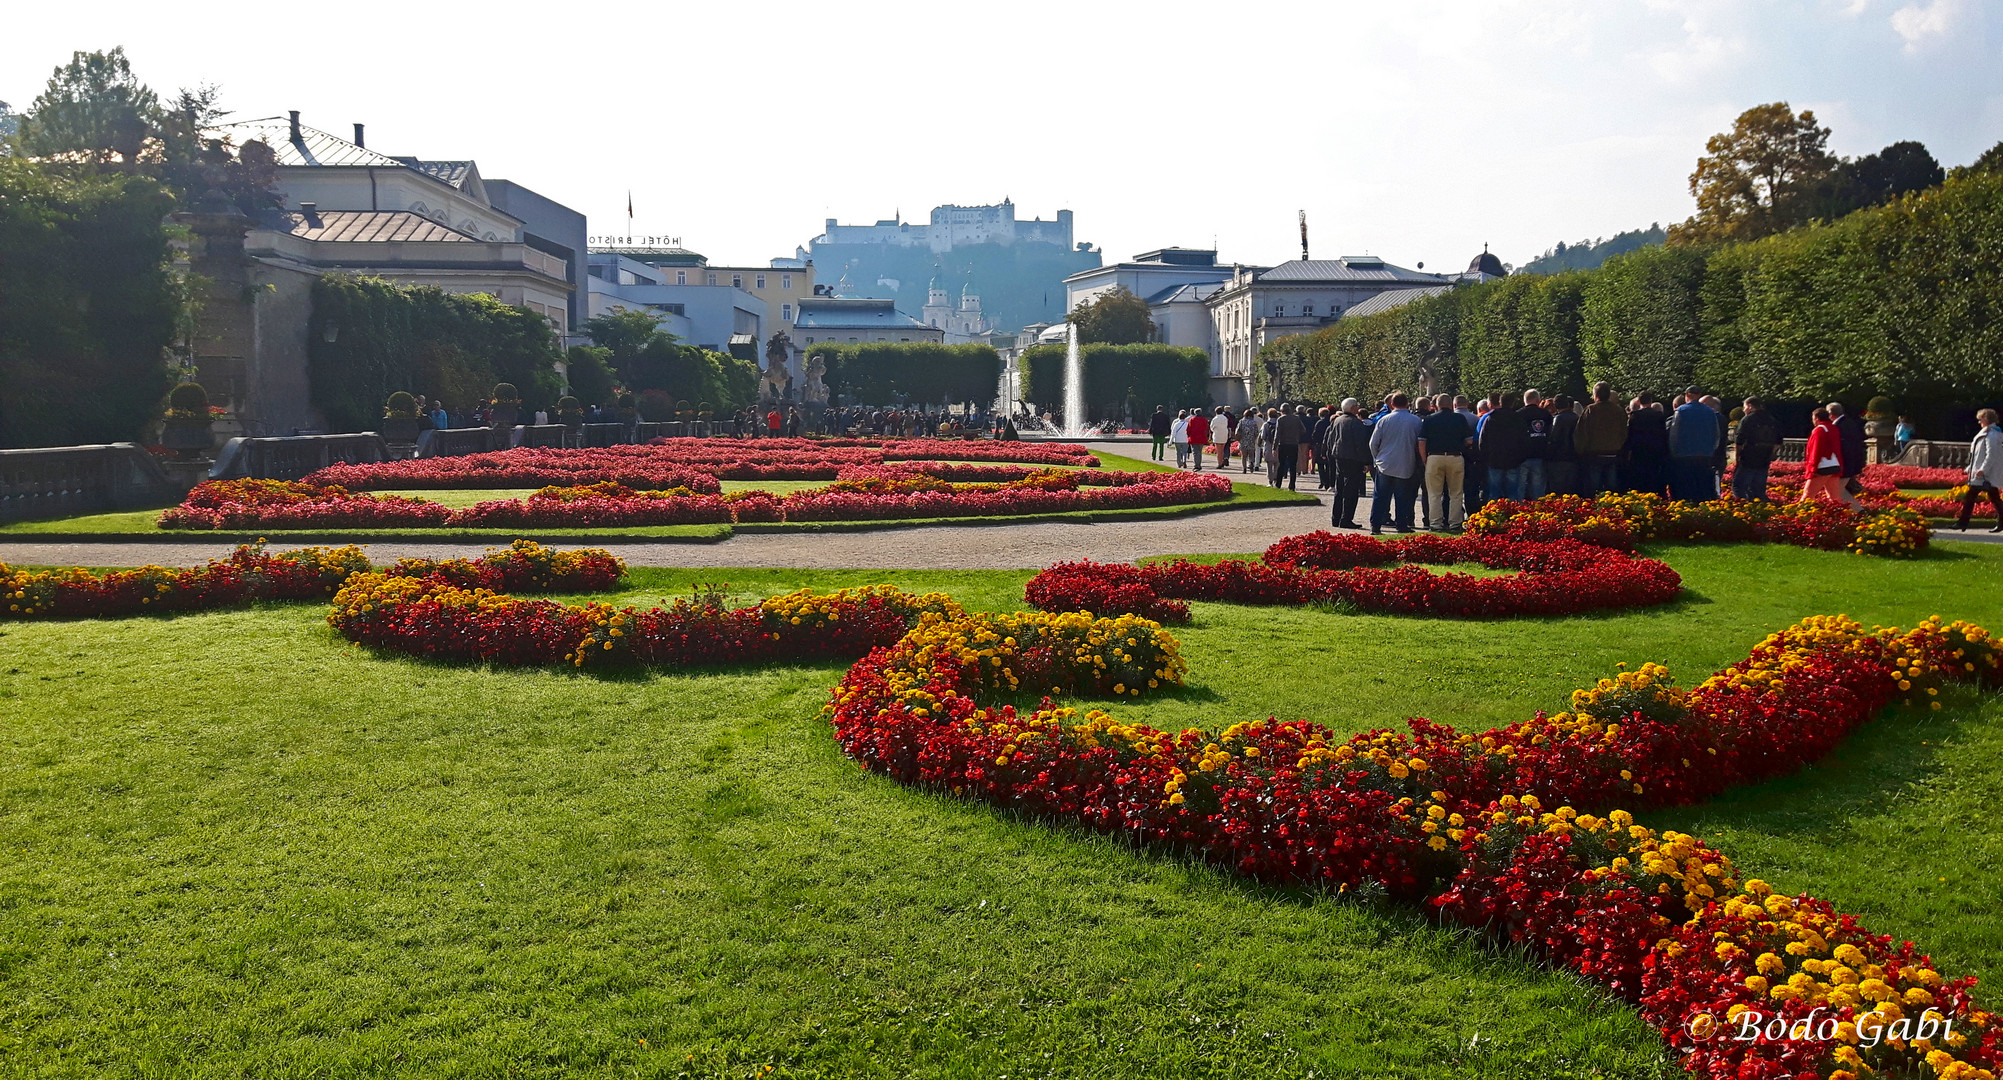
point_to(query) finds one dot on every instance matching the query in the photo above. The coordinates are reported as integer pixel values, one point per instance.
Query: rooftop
(313, 147)
(1357, 268)
(1394, 298)
(846, 313)
(364, 226)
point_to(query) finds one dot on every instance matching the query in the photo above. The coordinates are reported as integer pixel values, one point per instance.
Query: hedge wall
(421, 339)
(1117, 376)
(883, 372)
(1904, 300)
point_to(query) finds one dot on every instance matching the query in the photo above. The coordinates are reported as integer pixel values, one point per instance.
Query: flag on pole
(629, 202)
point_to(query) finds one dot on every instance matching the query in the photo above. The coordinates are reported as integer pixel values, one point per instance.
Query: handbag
(1829, 466)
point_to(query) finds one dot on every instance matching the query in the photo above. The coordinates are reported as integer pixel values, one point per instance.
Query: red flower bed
(696, 464)
(285, 504)
(252, 573)
(1657, 918)
(1875, 479)
(1561, 577)
(878, 493)
(1621, 519)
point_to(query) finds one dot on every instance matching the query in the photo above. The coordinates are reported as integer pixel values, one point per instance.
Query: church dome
(1486, 263)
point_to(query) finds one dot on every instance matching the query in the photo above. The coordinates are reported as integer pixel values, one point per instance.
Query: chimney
(295, 126)
(358, 136)
(311, 212)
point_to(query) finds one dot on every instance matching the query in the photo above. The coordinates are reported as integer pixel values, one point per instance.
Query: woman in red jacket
(1199, 436)
(1823, 464)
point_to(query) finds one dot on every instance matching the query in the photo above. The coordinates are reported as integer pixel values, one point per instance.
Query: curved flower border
(1557, 577)
(251, 573)
(1623, 519)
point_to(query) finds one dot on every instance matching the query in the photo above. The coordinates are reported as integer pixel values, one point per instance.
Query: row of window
(1307, 310)
(810, 341)
(736, 280)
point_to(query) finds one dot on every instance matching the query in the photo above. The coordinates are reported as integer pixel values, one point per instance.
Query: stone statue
(776, 383)
(815, 392)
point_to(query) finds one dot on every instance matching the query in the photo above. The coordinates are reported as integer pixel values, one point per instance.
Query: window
(1307, 309)
(785, 281)
(737, 281)
(681, 277)
(1279, 309)
(761, 281)
(712, 279)
(786, 312)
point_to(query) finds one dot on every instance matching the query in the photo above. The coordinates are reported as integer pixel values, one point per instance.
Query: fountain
(1074, 386)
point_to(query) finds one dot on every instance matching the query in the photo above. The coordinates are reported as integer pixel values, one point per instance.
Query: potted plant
(507, 402)
(186, 431)
(400, 418)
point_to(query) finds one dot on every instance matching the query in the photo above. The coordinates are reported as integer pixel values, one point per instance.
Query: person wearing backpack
(1757, 439)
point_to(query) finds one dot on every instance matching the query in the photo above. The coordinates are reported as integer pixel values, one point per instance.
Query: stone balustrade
(61, 480)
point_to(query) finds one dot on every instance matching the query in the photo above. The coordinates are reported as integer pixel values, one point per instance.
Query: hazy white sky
(1414, 131)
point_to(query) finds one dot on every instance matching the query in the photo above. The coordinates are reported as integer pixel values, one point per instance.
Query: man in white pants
(1444, 439)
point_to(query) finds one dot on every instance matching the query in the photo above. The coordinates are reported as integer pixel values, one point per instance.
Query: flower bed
(1561, 577)
(432, 617)
(696, 464)
(252, 573)
(1623, 519)
(1460, 822)
(873, 493)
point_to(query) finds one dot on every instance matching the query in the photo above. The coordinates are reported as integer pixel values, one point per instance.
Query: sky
(1415, 132)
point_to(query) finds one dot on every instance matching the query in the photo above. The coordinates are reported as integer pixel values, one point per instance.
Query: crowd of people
(1450, 455)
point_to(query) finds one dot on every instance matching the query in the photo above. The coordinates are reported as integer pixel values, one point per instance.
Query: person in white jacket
(1985, 470)
(1178, 433)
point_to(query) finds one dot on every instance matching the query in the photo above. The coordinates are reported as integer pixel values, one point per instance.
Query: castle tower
(938, 307)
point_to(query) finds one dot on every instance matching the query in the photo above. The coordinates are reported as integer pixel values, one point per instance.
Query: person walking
(1178, 433)
(1324, 464)
(1694, 433)
(1198, 434)
(1444, 439)
(1220, 436)
(1266, 433)
(1985, 470)
(1601, 435)
(1288, 432)
(1850, 431)
(1824, 464)
(1394, 450)
(1503, 441)
(1248, 432)
(1349, 445)
(1158, 426)
(1755, 442)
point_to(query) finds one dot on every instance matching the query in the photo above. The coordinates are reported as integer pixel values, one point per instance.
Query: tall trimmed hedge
(1117, 376)
(1903, 300)
(883, 372)
(87, 304)
(453, 346)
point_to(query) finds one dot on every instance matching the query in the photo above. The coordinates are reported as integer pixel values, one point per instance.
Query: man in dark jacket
(1504, 440)
(1850, 435)
(1561, 455)
(1349, 444)
(1537, 435)
(1647, 446)
(1599, 440)
(1757, 439)
(1158, 426)
(1289, 429)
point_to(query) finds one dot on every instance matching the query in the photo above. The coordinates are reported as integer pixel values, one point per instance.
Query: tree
(624, 331)
(207, 171)
(1114, 318)
(1876, 179)
(1991, 161)
(649, 358)
(93, 110)
(1759, 178)
(591, 374)
(10, 126)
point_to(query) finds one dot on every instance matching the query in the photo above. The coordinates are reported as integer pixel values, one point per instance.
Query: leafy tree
(208, 171)
(94, 110)
(10, 126)
(649, 358)
(919, 372)
(87, 304)
(1117, 317)
(624, 331)
(1759, 178)
(1589, 254)
(1115, 375)
(1991, 161)
(1876, 179)
(1641, 329)
(592, 377)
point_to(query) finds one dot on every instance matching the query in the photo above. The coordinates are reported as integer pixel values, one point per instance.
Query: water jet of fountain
(1074, 385)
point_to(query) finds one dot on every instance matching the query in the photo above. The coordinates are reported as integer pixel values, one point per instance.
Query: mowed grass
(233, 845)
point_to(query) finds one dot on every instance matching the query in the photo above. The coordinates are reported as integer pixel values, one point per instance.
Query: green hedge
(883, 372)
(1139, 377)
(425, 340)
(87, 305)
(1904, 300)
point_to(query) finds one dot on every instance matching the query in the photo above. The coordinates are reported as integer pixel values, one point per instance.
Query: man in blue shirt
(1394, 447)
(1694, 432)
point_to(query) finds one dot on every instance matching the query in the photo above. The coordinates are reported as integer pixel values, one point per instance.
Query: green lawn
(233, 845)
